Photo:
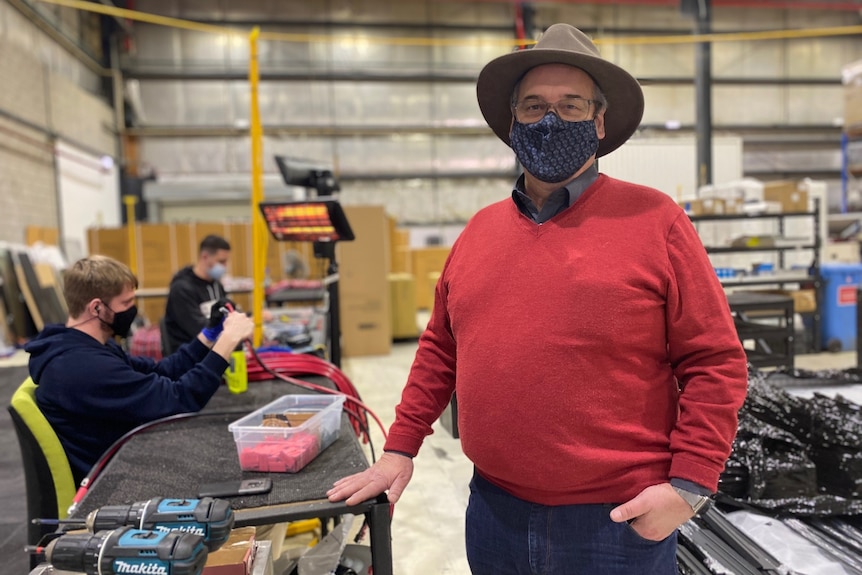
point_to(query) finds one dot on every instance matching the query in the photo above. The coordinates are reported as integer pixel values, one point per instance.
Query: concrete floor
(428, 526)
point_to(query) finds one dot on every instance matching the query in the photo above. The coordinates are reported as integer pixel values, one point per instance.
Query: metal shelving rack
(766, 320)
(780, 277)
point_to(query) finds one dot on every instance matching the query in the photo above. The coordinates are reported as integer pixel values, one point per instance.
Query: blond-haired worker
(91, 391)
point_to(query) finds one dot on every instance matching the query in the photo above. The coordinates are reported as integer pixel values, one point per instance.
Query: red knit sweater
(593, 355)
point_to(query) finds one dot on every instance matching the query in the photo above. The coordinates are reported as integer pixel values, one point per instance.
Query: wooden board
(14, 304)
(112, 242)
(49, 277)
(6, 336)
(47, 236)
(29, 296)
(47, 297)
(155, 268)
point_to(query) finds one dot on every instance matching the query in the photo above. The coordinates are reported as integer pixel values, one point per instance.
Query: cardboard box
(38, 234)
(804, 300)
(402, 260)
(366, 325)
(235, 557)
(733, 205)
(425, 262)
(402, 293)
(843, 252)
(711, 206)
(399, 248)
(744, 190)
(111, 242)
(692, 207)
(788, 194)
(853, 106)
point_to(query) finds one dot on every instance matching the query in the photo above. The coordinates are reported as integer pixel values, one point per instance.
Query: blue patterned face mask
(552, 149)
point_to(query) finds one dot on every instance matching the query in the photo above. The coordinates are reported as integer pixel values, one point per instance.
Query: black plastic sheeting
(794, 459)
(793, 455)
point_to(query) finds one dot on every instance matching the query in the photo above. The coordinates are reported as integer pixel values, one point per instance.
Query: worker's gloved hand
(215, 323)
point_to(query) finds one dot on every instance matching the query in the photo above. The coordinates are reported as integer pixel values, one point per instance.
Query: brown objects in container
(297, 418)
(275, 420)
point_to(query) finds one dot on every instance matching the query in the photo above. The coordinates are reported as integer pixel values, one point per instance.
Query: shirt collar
(558, 201)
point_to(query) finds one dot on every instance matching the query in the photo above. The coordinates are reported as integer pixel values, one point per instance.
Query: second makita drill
(128, 551)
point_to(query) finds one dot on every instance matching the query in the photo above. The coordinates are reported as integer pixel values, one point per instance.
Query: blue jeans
(510, 536)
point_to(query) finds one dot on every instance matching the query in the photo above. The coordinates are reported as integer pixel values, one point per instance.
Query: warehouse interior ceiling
(383, 92)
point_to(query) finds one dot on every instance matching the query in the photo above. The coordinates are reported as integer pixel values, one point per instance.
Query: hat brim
(624, 95)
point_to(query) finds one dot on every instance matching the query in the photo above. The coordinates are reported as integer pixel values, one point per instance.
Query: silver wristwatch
(698, 502)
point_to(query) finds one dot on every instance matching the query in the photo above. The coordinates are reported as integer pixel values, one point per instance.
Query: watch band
(697, 502)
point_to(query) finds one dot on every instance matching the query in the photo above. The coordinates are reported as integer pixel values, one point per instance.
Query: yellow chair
(47, 473)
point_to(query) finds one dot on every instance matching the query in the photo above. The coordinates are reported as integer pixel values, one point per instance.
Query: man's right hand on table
(392, 472)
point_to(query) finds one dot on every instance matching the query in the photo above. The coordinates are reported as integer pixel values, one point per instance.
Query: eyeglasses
(573, 109)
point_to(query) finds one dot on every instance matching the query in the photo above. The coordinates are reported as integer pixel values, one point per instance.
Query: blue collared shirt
(558, 201)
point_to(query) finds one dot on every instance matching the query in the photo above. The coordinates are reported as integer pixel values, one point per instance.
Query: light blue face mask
(552, 149)
(216, 272)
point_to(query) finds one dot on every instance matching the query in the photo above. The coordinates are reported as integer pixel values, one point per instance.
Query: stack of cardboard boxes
(383, 282)
(851, 76)
(366, 326)
(749, 196)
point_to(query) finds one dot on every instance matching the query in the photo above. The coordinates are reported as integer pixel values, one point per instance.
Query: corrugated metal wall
(381, 112)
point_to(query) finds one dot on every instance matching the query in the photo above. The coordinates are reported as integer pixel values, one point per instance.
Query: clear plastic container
(287, 449)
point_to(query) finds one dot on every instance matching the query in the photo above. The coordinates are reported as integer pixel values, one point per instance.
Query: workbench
(173, 458)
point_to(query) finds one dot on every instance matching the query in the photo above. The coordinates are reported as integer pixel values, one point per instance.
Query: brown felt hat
(562, 44)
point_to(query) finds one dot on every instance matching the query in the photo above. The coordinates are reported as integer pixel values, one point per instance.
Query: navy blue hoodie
(93, 393)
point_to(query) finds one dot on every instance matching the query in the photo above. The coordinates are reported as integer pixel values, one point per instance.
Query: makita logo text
(140, 568)
(184, 529)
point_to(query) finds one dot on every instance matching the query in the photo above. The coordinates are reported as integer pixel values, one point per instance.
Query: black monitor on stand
(320, 220)
(302, 173)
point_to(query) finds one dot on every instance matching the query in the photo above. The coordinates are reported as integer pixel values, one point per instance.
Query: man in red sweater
(597, 367)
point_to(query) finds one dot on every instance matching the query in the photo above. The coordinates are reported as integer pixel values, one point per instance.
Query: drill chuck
(128, 551)
(210, 518)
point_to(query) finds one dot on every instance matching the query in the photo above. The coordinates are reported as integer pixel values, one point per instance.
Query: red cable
(287, 362)
(321, 367)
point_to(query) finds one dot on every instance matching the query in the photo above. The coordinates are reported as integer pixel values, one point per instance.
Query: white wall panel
(418, 201)
(663, 103)
(815, 105)
(670, 164)
(206, 103)
(406, 155)
(661, 60)
(455, 105)
(158, 44)
(381, 104)
(89, 197)
(758, 105)
(396, 104)
(162, 102)
(482, 47)
(747, 59)
(316, 149)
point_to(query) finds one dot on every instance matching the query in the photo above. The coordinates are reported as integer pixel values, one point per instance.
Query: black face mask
(123, 320)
